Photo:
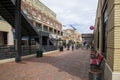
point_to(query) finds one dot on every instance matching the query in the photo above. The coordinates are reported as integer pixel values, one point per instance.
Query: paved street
(66, 65)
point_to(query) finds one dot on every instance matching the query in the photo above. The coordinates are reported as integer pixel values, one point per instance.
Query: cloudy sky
(79, 13)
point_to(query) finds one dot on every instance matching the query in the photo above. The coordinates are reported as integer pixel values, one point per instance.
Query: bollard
(61, 48)
(95, 74)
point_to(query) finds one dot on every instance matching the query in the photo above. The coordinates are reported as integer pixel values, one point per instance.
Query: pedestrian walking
(72, 47)
(87, 45)
(68, 46)
(60, 45)
(84, 44)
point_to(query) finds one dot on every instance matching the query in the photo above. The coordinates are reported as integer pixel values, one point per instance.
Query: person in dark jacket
(72, 47)
(68, 46)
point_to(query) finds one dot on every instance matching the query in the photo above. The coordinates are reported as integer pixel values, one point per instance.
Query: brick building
(6, 34)
(42, 18)
(107, 37)
(70, 34)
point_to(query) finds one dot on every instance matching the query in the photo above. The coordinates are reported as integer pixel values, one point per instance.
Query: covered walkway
(66, 65)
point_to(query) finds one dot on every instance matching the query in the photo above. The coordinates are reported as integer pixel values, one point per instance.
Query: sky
(78, 13)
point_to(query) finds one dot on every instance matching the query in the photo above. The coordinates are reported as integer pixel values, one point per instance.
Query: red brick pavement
(66, 65)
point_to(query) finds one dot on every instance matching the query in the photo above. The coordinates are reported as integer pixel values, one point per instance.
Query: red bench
(95, 62)
(93, 53)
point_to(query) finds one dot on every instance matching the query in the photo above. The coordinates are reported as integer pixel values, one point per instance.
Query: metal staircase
(7, 11)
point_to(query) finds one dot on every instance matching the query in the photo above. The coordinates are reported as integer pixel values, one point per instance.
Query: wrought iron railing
(7, 52)
(47, 48)
(26, 50)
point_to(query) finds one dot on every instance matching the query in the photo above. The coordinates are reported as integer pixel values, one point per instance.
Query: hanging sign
(91, 27)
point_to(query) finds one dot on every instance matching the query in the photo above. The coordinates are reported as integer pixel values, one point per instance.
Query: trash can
(39, 53)
(61, 48)
(95, 74)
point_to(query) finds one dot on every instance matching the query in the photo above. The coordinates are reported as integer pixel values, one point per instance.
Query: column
(18, 30)
(48, 29)
(53, 31)
(42, 27)
(29, 42)
(40, 41)
(48, 41)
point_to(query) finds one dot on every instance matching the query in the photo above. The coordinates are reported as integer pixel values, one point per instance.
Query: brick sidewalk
(66, 65)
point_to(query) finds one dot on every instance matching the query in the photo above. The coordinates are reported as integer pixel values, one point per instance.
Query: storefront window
(98, 36)
(27, 9)
(5, 37)
(104, 31)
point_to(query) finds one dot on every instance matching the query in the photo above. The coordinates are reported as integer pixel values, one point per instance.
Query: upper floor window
(44, 18)
(39, 16)
(47, 21)
(105, 17)
(34, 13)
(51, 23)
(27, 9)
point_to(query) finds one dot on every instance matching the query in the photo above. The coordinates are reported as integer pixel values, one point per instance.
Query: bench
(96, 62)
(93, 53)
